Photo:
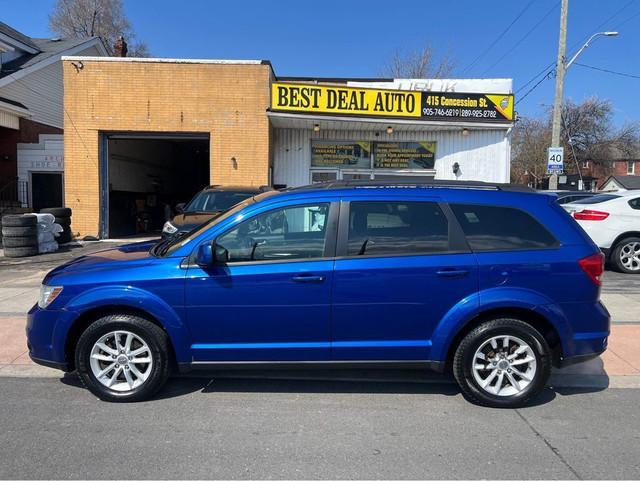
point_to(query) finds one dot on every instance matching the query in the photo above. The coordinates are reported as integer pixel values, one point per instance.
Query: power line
(475, 62)
(545, 70)
(522, 39)
(548, 75)
(578, 44)
(627, 20)
(608, 71)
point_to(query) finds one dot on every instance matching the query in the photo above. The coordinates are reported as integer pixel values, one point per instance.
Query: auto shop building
(141, 134)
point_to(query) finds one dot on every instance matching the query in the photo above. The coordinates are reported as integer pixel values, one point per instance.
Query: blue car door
(401, 266)
(271, 301)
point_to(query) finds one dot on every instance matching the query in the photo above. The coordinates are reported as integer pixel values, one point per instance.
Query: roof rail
(427, 184)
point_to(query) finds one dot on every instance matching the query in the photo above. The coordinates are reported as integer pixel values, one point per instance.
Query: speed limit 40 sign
(555, 158)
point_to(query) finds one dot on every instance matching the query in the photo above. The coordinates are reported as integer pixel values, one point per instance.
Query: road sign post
(555, 163)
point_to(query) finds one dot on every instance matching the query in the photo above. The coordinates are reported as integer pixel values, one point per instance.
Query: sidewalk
(619, 366)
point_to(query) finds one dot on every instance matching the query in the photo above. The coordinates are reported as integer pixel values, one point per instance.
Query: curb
(592, 381)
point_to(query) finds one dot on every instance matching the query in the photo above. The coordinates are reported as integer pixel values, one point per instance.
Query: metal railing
(14, 193)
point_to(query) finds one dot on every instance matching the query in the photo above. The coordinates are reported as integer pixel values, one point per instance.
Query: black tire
(19, 220)
(63, 238)
(625, 257)
(154, 337)
(63, 221)
(20, 251)
(20, 241)
(20, 231)
(464, 362)
(57, 211)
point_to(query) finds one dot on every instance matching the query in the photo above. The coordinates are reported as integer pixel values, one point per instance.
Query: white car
(612, 220)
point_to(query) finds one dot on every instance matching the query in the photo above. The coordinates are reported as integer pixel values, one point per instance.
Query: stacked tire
(63, 217)
(20, 235)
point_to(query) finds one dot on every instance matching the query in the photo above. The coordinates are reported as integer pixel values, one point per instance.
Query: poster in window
(347, 154)
(404, 155)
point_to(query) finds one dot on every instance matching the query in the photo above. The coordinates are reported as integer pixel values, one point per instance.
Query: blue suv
(492, 281)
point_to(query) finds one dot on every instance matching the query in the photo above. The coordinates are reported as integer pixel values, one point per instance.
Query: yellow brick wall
(227, 101)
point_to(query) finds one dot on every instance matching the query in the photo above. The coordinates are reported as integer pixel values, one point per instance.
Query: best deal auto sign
(391, 103)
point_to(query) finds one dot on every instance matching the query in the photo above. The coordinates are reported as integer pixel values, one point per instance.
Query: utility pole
(560, 70)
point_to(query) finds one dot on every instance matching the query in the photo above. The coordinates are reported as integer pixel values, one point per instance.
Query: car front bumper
(46, 345)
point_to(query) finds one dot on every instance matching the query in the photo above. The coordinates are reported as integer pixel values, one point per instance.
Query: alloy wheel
(121, 361)
(504, 365)
(630, 256)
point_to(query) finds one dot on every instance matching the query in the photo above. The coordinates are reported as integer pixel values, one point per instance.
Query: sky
(515, 39)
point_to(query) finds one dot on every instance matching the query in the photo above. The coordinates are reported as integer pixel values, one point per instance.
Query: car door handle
(453, 273)
(308, 279)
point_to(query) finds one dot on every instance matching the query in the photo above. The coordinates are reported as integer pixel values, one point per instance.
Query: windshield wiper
(163, 246)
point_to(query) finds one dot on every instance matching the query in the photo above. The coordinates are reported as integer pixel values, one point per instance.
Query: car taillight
(593, 266)
(590, 215)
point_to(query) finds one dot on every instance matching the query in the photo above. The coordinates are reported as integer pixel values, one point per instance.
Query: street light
(599, 34)
(561, 68)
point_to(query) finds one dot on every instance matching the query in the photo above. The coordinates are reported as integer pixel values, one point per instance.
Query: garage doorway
(144, 176)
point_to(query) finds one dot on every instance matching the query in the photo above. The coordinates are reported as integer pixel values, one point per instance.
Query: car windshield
(168, 246)
(216, 200)
(596, 199)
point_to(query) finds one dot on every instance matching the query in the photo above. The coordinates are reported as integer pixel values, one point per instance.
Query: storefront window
(329, 153)
(404, 155)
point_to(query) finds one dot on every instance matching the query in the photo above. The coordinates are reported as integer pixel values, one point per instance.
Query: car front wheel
(502, 363)
(123, 358)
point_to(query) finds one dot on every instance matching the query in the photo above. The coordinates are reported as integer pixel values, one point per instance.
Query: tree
(96, 18)
(529, 142)
(419, 63)
(587, 135)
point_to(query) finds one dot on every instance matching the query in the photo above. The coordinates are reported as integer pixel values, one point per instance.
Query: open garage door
(145, 176)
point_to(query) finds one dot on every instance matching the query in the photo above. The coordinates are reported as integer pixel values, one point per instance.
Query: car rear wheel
(626, 255)
(502, 363)
(123, 358)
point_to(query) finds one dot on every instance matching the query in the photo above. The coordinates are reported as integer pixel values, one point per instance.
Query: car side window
(297, 232)
(496, 228)
(635, 203)
(396, 227)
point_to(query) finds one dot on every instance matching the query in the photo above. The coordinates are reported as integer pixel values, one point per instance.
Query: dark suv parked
(205, 205)
(493, 281)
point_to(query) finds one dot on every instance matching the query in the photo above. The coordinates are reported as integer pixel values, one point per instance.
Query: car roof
(625, 193)
(402, 184)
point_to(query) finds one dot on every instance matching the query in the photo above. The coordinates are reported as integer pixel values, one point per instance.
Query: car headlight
(47, 295)
(169, 228)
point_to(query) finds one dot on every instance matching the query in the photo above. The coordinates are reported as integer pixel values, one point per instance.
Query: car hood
(192, 219)
(130, 255)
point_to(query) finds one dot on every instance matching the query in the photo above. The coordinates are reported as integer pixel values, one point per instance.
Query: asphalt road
(277, 429)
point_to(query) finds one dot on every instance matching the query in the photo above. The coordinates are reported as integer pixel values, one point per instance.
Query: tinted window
(495, 228)
(596, 199)
(390, 228)
(635, 203)
(216, 201)
(290, 233)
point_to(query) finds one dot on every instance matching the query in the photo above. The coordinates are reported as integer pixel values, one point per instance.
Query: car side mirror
(180, 208)
(221, 254)
(209, 254)
(204, 256)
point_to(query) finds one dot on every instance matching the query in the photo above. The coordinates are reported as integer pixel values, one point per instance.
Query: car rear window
(216, 201)
(596, 199)
(496, 228)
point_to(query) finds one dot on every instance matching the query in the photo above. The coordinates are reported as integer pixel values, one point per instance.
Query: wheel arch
(92, 315)
(620, 238)
(536, 320)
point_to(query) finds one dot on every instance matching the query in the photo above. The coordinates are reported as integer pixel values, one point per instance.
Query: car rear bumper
(591, 327)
